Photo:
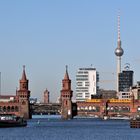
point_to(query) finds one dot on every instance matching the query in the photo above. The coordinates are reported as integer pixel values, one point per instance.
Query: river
(53, 128)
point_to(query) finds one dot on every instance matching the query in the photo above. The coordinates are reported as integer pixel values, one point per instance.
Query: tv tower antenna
(118, 52)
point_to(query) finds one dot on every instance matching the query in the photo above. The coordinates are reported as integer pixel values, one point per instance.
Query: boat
(10, 120)
(105, 117)
(120, 118)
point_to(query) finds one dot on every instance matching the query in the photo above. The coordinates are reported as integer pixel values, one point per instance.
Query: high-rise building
(125, 84)
(86, 83)
(125, 80)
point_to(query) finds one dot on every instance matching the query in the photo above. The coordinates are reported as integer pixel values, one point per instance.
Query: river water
(53, 128)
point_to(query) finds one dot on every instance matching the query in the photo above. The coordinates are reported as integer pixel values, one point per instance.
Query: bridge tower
(23, 94)
(66, 96)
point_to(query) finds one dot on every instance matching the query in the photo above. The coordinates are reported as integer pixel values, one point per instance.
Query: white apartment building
(86, 83)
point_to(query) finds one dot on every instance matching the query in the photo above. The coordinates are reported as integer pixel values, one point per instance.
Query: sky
(47, 35)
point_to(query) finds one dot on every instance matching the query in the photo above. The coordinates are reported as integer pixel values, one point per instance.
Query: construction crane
(107, 79)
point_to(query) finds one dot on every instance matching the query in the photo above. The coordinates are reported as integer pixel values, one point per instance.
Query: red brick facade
(66, 95)
(110, 107)
(46, 96)
(18, 104)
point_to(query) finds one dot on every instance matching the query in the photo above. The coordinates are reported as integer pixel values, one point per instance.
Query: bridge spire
(66, 97)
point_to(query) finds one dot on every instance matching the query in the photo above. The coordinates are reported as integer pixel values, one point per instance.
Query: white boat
(120, 118)
(10, 120)
(105, 117)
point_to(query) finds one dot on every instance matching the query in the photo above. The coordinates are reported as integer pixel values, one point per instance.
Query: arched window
(94, 108)
(112, 109)
(90, 108)
(82, 108)
(120, 108)
(63, 85)
(16, 109)
(8, 109)
(23, 102)
(138, 108)
(12, 109)
(86, 108)
(97, 109)
(126, 109)
(108, 108)
(116, 108)
(4, 109)
(66, 102)
(78, 108)
(1, 109)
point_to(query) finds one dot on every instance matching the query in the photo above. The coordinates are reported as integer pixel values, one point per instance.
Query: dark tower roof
(66, 77)
(24, 74)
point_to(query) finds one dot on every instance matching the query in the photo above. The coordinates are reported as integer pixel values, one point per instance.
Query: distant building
(124, 95)
(46, 96)
(58, 100)
(125, 82)
(135, 90)
(86, 83)
(33, 100)
(108, 94)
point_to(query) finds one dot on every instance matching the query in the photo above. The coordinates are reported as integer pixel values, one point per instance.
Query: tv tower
(118, 52)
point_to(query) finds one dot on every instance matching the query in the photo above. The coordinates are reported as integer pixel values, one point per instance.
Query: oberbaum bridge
(20, 104)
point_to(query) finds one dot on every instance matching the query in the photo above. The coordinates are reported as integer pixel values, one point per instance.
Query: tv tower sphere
(119, 51)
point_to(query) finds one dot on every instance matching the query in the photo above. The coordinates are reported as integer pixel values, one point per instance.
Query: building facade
(66, 97)
(125, 82)
(108, 94)
(86, 83)
(135, 90)
(17, 104)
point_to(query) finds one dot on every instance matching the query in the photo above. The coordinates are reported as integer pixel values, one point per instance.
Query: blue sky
(46, 35)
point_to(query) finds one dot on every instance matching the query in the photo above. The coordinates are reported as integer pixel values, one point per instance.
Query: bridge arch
(138, 108)
(16, 108)
(8, 109)
(4, 109)
(12, 109)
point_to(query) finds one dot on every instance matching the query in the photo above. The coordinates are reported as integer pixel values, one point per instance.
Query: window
(16, 109)
(63, 85)
(8, 109)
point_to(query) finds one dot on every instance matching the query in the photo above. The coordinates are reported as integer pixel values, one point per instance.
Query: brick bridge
(111, 107)
(93, 108)
(42, 108)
